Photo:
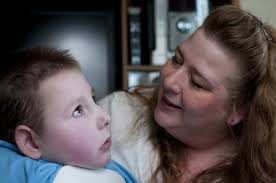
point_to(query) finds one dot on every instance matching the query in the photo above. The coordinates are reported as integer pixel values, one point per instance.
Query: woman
(213, 118)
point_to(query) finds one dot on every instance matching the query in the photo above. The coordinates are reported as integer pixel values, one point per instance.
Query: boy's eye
(78, 111)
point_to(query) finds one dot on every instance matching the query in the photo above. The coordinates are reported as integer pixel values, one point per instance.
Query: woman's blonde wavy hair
(253, 44)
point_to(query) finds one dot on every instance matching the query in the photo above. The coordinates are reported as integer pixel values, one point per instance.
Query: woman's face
(194, 103)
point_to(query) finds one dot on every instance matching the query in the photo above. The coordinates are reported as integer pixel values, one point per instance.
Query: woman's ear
(27, 141)
(236, 116)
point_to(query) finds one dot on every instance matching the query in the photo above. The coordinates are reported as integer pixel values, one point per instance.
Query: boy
(48, 118)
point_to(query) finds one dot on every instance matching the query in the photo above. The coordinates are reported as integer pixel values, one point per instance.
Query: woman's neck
(197, 159)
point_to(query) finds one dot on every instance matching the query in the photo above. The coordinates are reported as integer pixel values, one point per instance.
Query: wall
(264, 9)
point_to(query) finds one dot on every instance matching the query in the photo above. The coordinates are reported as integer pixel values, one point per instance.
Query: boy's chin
(101, 162)
(108, 159)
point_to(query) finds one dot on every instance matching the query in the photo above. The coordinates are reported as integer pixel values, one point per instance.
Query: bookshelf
(127, 67)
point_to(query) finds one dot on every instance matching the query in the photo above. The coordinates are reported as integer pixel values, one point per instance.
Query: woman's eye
(197, 86)
(79, 111)
(177, 60)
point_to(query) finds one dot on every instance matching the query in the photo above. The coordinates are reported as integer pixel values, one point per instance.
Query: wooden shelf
(236, 2)
(145, 68)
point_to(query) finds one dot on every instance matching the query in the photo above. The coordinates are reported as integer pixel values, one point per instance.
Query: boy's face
(75, 129)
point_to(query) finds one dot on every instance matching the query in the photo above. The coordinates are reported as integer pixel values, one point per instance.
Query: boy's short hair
(20, 76)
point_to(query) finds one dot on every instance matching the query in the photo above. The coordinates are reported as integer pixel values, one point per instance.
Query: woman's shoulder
(126, 99)
(130, 146)
(123, 108)
(115, 97)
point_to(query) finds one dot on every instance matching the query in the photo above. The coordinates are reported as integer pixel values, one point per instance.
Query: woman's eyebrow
(178, 50)
(207, 81)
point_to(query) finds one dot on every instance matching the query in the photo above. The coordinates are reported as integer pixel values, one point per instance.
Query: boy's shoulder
(15, 167)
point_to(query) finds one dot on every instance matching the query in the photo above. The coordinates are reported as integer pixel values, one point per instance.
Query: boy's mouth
(107, 144)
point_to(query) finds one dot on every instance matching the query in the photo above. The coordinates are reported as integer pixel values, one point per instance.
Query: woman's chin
(159, 117)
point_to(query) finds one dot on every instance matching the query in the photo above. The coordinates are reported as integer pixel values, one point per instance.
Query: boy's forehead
(64, 90)
(66, 83)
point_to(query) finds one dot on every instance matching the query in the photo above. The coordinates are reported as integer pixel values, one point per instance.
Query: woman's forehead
(209, 58)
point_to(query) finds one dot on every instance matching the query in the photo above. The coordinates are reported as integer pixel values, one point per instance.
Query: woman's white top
(134, 151)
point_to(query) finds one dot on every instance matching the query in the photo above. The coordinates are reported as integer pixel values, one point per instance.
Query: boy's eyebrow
(93, 93)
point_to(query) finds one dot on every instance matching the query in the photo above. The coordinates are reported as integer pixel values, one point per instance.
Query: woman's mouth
(107, 144)
(168, 105)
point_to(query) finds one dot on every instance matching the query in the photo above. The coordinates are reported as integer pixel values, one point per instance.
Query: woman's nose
(174, 81)
(104, 119)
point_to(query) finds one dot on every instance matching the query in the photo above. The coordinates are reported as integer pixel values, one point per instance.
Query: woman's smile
(168, 105)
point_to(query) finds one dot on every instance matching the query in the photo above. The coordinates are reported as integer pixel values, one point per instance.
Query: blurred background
(120, 43)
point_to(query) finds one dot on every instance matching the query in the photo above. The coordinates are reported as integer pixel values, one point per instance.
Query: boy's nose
(104, 120)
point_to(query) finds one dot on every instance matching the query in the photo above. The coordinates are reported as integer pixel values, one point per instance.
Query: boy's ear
(236, 116)
(27, 141)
